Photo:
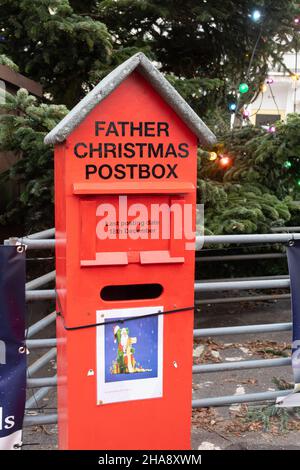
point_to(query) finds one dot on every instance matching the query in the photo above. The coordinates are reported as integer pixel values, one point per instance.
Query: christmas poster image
(131, 349)
(129, 354)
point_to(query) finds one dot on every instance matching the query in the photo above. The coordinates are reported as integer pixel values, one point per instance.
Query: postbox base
(162, 423)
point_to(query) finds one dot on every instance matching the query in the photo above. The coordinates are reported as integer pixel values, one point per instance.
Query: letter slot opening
(131, 292)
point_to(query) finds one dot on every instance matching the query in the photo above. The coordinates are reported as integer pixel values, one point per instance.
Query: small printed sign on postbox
(125, 202)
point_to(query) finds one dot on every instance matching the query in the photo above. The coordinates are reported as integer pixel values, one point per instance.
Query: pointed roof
(143, 65)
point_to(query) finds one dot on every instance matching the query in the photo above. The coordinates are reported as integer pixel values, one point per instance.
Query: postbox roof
(143, 65)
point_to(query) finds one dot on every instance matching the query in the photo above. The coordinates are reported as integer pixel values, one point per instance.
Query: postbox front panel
(136, 231)
(130, 183)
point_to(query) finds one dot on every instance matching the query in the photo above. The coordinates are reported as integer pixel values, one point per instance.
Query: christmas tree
(253, 179)
(23, 125)
(205, 47)
(209, 50)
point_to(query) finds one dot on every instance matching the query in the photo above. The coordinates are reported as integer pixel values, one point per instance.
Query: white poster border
(127, 390)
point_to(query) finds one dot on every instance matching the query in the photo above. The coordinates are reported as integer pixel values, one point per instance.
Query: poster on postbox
(129, 354)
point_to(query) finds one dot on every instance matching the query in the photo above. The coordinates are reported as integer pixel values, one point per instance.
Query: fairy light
(224, 161)
(272, 129)
(263, 88)
(243, 88)
(246, 113)
(287, 164)
(212, 156)
(256, 15)
(232, 107)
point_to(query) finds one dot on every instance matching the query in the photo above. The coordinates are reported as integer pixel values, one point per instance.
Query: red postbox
(125, 195)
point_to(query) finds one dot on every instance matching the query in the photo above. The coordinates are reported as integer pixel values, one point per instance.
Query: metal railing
(42, 240)
(38, 241)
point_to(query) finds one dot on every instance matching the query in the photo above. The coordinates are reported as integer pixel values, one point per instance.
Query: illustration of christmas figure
(125, 362)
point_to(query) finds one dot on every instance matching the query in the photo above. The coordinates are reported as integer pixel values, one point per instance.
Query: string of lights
(243, 88)
(259, 107)
(223, 160)
(273, 97)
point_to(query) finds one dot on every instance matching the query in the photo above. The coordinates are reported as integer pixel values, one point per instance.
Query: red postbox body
(123, 157)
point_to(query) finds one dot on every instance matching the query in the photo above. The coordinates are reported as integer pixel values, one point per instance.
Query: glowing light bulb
(263, 88)
(298, 182)
(256, 15)
(224, 161)
(272, 129)
(232, 107)
(287, 164)
(246, 113)
(243, 88)
(297, 20)
(212, 156)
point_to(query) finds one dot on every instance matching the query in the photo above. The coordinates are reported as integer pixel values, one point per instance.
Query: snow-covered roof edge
(143, 65)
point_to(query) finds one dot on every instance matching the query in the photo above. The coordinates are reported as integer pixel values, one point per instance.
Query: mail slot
(125, 196)
(131, 292)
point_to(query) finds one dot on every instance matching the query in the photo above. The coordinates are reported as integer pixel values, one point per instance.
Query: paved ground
(225, 427)
(228, 427)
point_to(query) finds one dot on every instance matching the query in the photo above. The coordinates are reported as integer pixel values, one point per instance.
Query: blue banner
(293, 253)
(12, 350)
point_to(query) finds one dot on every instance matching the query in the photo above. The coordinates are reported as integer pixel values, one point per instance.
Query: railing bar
(41, 343)
(197, 403)
(241, 365)
(251, 278)
(42, 382)
(32, 244)
(199, 287)
(41, 362)
(207, 240)
(49, 233)
(40, 281)
(40, 325)
(240, 257)
(234, 330)
(267, 328)
(44, 294)
(242, 285)
(40, 419)
(241, 239)
(248, 298)
(235, 399)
